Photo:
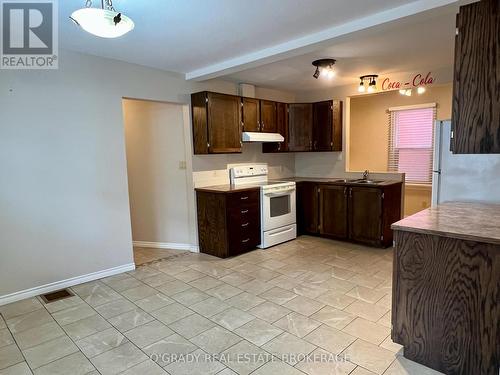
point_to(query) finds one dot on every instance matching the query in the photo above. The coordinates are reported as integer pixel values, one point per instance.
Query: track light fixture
(324, 67)
(369, 80)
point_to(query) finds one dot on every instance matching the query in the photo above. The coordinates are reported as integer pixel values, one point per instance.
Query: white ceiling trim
(310, 42)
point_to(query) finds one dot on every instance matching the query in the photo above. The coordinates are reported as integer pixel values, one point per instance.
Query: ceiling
(190, 35)
(412, 47)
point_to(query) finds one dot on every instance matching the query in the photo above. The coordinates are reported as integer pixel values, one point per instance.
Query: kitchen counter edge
(461, 220)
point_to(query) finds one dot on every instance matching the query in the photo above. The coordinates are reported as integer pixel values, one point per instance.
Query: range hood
(261, 137)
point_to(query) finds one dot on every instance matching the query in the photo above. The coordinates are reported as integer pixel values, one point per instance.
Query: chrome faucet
(366, 174)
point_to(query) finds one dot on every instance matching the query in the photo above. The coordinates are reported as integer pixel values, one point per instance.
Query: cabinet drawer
(242, 239)
(244, 213)
(244, 199)
(243, 228)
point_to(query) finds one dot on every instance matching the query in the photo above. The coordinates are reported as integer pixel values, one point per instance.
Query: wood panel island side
(446, 288)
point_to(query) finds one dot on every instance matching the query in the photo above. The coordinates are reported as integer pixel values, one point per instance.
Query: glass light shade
(421, 90)
(408, 92)
(371, 88)
(100, 22)
(361, 87)
(402, 92)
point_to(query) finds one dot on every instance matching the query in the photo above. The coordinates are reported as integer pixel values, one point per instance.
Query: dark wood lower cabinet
(446, 303)
(362, 214)
(365, 215)
(333, 211)
(307, 207)
(228, 222)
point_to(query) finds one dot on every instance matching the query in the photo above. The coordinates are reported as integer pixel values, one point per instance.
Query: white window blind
(411, 142)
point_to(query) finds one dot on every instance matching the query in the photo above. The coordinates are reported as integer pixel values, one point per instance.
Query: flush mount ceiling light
(104, 22)
(324, 67)
(369, 80)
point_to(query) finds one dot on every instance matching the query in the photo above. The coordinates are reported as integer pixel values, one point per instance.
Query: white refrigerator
(466, 178)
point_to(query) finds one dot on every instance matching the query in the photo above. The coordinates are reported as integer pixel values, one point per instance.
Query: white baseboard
(47, 288)
(167, 245)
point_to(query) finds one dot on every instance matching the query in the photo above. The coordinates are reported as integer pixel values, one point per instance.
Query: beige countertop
(227, 188)
(467, 221)
(339, 181)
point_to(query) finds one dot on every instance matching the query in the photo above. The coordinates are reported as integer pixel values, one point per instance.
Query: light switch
(182, 164)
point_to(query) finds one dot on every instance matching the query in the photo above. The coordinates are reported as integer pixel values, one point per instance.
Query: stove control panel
(249, 170)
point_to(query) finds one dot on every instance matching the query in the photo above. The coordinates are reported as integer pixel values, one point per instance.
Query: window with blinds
(411, 142)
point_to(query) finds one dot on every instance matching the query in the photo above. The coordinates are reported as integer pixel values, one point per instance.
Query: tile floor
(310, 306)
(144, 255)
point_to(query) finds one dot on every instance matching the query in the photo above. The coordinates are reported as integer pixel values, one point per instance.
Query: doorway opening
(159, 178)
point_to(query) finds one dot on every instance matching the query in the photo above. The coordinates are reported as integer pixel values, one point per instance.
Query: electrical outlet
(182, 164)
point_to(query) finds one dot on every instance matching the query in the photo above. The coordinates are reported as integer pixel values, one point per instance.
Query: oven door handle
(280, 194)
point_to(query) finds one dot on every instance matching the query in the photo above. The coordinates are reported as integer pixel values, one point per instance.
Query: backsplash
(213, 169)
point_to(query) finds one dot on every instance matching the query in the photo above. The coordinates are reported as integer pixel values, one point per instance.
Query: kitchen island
(446, 288)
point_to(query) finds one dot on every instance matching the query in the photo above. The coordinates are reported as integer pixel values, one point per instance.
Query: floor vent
(56, 296)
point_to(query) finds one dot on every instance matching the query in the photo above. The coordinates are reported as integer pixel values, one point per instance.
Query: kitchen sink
(366, 181)
(344, 180)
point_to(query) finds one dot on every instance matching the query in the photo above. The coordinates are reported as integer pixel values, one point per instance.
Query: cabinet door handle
(263, 125)
(243, 241)
(245, 225)
(345, 191)
(244, 198)
(244, 211)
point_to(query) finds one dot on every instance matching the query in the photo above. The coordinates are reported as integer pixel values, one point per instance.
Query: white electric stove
(277, 203)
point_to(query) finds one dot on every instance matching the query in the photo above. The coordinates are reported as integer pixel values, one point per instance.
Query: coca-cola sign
(416, 81)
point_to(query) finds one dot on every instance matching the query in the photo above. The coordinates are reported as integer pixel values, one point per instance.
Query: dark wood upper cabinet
(476, 93)
(251, 114)
(219, 120)
(216, 123)
(311, 127)
(268, 116)
(333, 211)
(307, 207)
(281, 128)
(300, 125)
(327, 126)
(365, 215)
(323, 126)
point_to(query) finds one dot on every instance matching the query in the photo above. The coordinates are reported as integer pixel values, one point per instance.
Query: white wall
(64, 209)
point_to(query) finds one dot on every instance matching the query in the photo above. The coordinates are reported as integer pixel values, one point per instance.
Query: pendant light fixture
(104, 22)
(324, 68)
(368, 83)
